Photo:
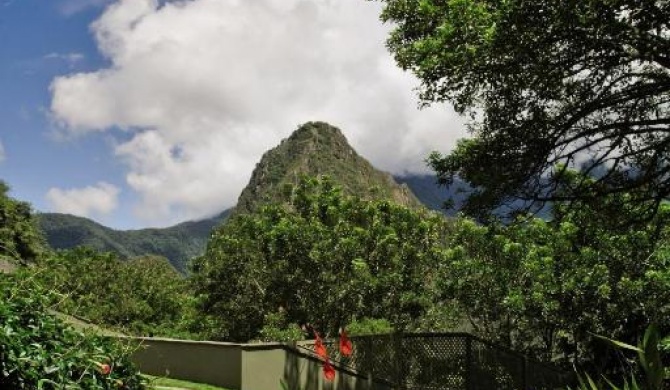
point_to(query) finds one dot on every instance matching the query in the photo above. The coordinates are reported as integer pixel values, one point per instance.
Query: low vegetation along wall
(243, 366)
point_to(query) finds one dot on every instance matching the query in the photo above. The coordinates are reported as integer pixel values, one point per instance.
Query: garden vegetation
(569, 113)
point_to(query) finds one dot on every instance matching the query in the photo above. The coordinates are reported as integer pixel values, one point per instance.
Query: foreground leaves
(38, 351)
(648, 357)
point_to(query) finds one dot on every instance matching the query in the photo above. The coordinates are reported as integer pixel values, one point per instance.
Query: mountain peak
(319, 149)
(316, 136)
(318, 130)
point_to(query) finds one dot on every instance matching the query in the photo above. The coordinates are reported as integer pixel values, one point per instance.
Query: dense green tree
(578, 83)
(142, 296)
(547, 287)
(323, 259)
(155, 296)
(20, 239)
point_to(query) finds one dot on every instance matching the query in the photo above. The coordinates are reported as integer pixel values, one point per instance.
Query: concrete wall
(218, 364)
(306, 373)
(243, 366)
(262, 366)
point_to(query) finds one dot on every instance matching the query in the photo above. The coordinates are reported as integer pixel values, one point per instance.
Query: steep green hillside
(317, 148)
(177, 243)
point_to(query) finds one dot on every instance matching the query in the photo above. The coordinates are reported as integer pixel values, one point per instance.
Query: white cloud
(3, 155)
(100, 199)
(71, 59)
(222, 81)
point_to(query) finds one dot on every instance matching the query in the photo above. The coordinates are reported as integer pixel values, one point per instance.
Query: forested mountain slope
(177, 243)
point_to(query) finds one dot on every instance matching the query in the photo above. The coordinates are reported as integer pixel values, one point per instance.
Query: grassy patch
(158, 383)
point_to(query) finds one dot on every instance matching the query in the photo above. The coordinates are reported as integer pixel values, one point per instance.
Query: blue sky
(136, 113)
(41, 40)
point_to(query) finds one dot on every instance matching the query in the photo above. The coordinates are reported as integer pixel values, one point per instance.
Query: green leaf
(618, 344)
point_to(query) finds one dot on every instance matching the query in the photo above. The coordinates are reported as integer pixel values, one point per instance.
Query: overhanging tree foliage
(550, 84)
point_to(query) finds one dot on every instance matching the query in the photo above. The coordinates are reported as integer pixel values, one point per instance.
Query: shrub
(368, 326)
(277, 328)
(39, 351)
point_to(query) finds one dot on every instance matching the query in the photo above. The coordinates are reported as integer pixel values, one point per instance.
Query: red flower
(319, 348)
(328, 370)
(105, 369)
(345, 344)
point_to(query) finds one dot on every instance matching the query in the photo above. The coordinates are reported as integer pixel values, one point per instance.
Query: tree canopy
(20, 240)
(547, 287)
(143, 295)
(323, 259)
(550, 85)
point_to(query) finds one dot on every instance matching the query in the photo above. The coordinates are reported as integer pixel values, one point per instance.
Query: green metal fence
(446, 361)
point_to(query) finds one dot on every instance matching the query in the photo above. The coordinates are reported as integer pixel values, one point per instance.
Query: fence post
(398, 361)
(524, 372)
(468, 363)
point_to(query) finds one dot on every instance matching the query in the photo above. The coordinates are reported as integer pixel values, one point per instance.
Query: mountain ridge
(177, 243)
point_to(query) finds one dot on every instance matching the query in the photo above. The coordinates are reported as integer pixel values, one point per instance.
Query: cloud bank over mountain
(96, 200)
(202, 88)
